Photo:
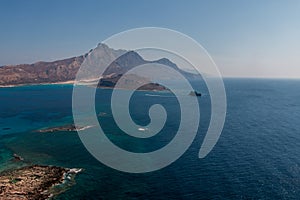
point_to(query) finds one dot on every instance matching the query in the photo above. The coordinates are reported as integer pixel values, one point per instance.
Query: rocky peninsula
(33, 182)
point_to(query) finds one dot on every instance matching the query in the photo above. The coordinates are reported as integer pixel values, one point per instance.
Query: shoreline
(36, 84)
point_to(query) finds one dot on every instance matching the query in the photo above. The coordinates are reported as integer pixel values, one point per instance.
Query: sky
(257, 38)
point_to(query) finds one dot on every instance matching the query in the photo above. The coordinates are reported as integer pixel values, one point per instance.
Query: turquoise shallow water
(257, 156)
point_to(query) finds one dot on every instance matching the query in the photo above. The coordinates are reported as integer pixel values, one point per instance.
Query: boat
(195, 93)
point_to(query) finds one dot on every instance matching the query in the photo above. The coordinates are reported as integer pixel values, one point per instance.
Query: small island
(33, 182)
(68, 127)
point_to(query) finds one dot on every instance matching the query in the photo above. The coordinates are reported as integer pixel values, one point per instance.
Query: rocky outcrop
(130, 82)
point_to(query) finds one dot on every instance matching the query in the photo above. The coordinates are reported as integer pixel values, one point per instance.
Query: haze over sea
(257, 156)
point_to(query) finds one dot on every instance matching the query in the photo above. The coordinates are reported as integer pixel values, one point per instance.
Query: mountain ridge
(65, 70)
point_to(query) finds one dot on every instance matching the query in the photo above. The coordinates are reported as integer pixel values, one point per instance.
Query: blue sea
(256, 157)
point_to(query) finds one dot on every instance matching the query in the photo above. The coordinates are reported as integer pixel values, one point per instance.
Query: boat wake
(84, 128)
(156, 95)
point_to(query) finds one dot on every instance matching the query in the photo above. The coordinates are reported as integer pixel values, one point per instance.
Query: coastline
(73, 82)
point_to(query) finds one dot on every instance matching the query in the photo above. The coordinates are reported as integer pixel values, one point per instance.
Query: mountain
(66, 69)
(124, 63)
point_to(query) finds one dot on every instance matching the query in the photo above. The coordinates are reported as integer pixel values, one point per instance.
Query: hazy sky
(257, 38)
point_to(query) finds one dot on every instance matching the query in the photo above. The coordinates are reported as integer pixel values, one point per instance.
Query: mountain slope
(40, 72)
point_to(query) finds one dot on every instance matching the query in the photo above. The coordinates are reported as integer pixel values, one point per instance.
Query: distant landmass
(63, 71)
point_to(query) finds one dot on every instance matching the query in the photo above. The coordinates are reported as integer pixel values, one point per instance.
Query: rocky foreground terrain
(32, 182)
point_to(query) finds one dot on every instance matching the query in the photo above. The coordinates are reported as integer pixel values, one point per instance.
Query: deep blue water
(257, 156)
